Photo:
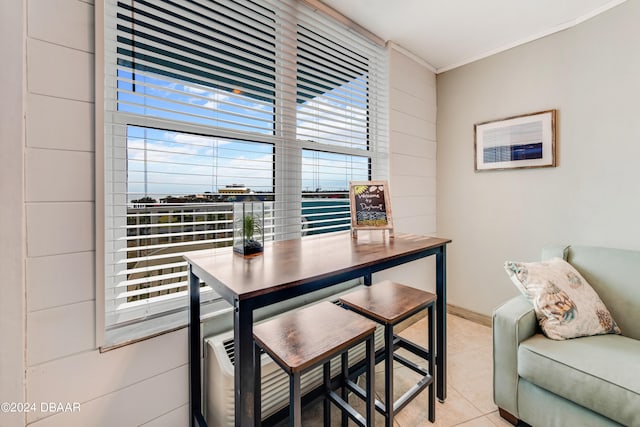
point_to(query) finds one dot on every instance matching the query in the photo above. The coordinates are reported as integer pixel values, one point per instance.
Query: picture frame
(370, 206)
(517, 142)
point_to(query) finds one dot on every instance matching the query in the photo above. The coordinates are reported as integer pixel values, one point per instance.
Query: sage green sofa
(588, 381)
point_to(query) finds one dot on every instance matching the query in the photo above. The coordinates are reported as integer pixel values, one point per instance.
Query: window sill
(216, 318)
(141, 331)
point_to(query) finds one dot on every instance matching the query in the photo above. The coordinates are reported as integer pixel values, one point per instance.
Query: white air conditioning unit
(219, 379)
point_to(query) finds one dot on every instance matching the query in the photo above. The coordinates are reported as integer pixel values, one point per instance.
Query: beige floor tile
(454, 411)
(498, 420)
(479, 392)
(478, 422)
(470, 364)
(466, 341)
(416, 332)
(464, 335)
(471, 374)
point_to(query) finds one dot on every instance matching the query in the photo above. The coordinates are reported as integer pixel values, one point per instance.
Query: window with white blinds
(213, 101)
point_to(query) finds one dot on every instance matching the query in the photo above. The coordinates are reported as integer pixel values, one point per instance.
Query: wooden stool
(390, 303)
(311, 336)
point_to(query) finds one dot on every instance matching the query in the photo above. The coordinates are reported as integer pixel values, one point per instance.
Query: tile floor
(469, 400)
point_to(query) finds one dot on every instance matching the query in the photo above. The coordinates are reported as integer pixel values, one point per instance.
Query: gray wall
(591, 75)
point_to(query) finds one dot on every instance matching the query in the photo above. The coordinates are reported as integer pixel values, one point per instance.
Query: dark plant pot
(250, 247)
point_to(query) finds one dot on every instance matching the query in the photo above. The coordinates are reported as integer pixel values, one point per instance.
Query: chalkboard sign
(370, 207)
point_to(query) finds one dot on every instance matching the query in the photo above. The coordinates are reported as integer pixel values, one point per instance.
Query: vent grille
(228, 347)
(231, 354)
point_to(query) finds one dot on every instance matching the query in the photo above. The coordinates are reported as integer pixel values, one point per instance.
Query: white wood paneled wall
(412, 99)
(140, 384)
(412, 123)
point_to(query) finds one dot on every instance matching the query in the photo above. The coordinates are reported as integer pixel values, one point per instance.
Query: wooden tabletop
(289, 263)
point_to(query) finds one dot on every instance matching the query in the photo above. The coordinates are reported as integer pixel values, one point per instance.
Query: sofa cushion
(565, 304)
(600, 372)
(615, 275)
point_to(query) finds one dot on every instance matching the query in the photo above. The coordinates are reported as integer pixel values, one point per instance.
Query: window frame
(287, 168)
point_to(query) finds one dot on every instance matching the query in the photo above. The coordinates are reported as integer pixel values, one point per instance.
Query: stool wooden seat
(389, 303)
(308, 337)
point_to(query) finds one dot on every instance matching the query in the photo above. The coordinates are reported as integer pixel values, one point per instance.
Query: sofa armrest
(513, 322)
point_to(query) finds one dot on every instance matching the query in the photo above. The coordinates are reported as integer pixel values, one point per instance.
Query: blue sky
(180, 163)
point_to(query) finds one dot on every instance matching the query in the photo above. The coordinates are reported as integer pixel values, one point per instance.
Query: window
(213, 101)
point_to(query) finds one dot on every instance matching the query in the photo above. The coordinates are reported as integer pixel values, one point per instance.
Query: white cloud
(191, 139)
(327, 120)
(215, 99)
(198, 90)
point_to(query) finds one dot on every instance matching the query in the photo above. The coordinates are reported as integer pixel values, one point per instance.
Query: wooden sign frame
(370, 206)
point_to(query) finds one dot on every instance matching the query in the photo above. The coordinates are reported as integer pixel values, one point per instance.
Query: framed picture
(526, 141)
(370, 206)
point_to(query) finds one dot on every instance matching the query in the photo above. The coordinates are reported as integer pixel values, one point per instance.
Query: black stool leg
(344, 366)
(257, 401)
(370, 356)
(432, 351)
(388, 375)
(295, 400)
(326, 380)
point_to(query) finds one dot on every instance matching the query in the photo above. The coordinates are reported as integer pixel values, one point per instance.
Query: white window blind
(213, 101)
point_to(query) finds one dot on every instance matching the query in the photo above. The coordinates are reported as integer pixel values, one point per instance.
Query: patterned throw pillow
(565, 304)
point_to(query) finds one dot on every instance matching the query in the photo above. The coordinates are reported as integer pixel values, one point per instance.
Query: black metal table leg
(295, 410)
(388, 376)
(370, 355)
(326, 382)
(257, 375)
(441, 324)
(344, 369)
(367, 279)
(244, 367)
(431, 342)
(195, 390)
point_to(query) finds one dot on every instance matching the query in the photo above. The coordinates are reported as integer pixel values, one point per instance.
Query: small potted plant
(248, 228)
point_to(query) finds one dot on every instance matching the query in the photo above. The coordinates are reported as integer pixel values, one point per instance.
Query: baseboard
(451, 309)
(469, 315)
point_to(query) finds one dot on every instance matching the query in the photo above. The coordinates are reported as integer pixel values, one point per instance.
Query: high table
(289, 268)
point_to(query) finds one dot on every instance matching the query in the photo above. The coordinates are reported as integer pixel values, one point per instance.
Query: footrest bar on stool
(412, 347)
(358, 391)
(355, 388)
(355, 416)
(381, 353)
(411, 365)
(412, 393)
